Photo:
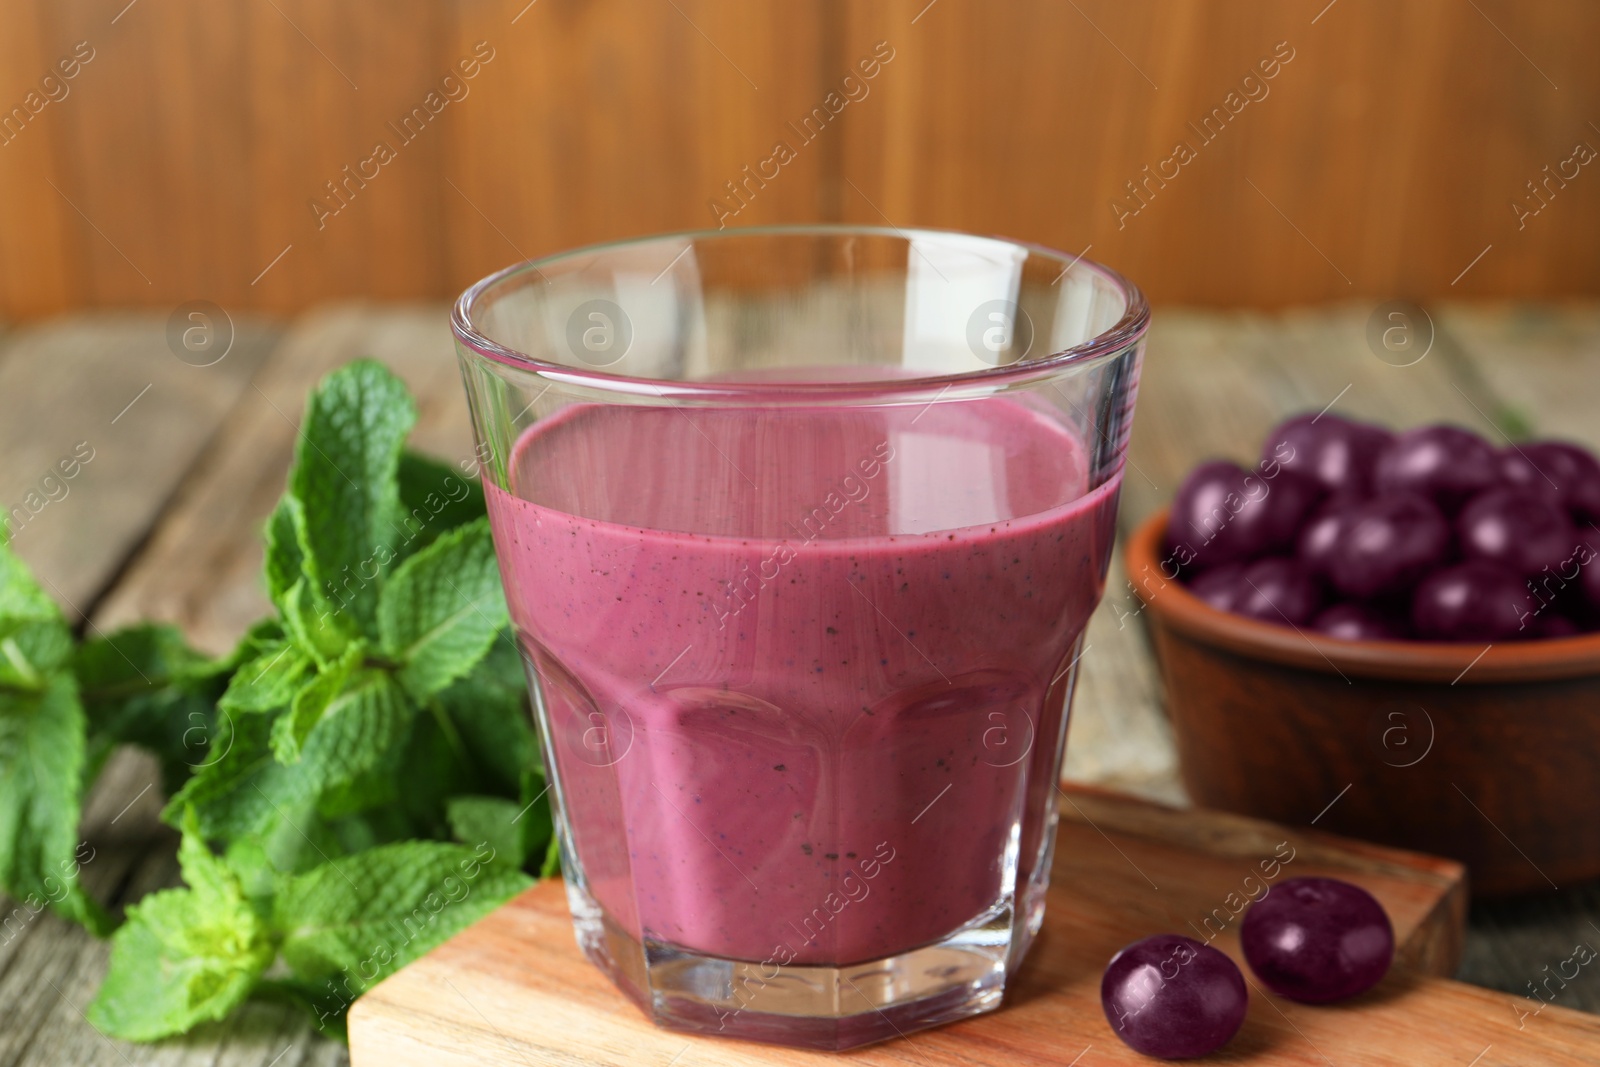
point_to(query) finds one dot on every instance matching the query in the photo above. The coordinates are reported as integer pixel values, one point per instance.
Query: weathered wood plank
(1518, 946)
(201, 566)
(99, 421)
(1540, 363)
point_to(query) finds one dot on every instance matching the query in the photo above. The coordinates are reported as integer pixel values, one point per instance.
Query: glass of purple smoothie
(800, 529)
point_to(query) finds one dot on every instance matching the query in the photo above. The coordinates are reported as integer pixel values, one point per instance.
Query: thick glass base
(806, 1006)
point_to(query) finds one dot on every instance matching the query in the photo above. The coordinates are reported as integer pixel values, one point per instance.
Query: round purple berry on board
(1172, 997)
(1317, 940)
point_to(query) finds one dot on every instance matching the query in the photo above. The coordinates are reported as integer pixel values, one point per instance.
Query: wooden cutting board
(515, 990)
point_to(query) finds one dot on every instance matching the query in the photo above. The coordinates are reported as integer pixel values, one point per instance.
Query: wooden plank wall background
(1383, 158)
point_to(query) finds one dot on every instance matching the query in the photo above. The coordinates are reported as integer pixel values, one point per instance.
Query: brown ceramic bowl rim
(1173, 605)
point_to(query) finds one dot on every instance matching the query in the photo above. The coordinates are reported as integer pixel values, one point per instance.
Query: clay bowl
(1488, 757)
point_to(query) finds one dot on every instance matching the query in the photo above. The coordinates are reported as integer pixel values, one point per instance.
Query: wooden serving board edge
(1434, 948)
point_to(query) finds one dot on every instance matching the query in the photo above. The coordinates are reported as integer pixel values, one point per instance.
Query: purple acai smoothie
(803, 670)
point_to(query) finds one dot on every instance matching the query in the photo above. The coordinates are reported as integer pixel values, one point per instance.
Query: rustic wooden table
(162, 523)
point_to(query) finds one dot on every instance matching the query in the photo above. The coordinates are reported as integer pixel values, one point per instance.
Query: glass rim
(1127, 330)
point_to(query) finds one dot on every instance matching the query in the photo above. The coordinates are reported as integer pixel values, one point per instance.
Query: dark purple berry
(1551, 626)
(1321, 534)
(1171, 996)
(1352, 621)
(1388, 544)
(1472, 601)
(1336, 452)
(1220, 586)
(1278, 590)
(1446, 464)
(1520, 528)
(1567, 473)
(1317, 940)
(1225, 514)
(1589, 581)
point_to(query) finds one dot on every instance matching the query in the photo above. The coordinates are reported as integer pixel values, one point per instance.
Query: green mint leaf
(267, 681)
(42, 761)
(319, 627)
(519, 831)
(185, 956)
(538, 823)
(171, 968)
(476, 738)
(551, 866)
(311, 703)
(246, 795)
(488, 709)
(508, 827)
(133, 663)
(362, 728)
(435, 499)
(145, 686)
(345, 763)
(442, 609)
(292, 991)
(207, 874)
(31, 652)
(285, 564)
(345, 477)
(352, 922)
(355, 752)
(22, 600)
(241, 788)
(251, 862)
(266, 813)
(263, 634)
(367, 798)
(34, 639)
(434, 767)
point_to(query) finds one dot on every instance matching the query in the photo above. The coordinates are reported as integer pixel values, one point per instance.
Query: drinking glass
(800, 529)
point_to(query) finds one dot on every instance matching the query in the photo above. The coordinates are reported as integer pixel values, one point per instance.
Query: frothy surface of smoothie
(803, 669)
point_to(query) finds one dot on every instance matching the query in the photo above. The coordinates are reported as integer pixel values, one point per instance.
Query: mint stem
(451, 734)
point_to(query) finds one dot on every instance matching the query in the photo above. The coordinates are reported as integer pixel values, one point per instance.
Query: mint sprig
(44, 752)
(185, 956)
(363, 761)
(442, 610)
(346, 480)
